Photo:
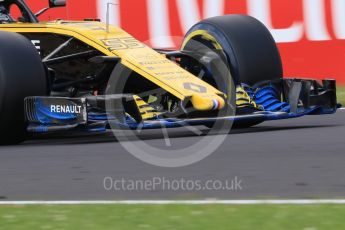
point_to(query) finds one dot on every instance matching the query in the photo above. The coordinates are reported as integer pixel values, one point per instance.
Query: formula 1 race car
(90, 76)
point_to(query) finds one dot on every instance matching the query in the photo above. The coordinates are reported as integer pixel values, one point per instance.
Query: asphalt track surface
(298, 158)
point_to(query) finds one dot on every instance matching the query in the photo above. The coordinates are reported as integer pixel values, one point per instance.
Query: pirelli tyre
(22, 74)
(250, 49)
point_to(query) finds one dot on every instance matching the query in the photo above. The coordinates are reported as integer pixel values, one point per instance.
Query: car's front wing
(97, 113)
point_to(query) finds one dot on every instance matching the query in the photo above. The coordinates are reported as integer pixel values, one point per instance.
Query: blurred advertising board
(310, 33)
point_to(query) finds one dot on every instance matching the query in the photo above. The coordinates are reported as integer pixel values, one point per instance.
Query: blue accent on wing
(97, 129)
(268, 98)
(97, 116)
(39, 129)
(45, 116)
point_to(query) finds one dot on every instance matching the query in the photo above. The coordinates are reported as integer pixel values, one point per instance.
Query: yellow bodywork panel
(134, 55)
(146, 111)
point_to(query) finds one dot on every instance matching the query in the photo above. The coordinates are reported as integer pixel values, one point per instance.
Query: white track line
(170, 202)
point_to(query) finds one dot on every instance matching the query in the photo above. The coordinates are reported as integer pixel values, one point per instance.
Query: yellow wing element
(146, 111)
(136, 56)
(243, 99)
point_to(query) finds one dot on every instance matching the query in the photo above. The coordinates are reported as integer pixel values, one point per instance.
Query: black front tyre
(22, 74)
(251, 51)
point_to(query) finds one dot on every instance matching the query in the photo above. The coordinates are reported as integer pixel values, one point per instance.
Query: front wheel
(22, 74)
(249, 49)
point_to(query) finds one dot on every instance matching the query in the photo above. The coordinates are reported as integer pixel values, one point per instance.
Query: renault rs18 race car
(90, 76)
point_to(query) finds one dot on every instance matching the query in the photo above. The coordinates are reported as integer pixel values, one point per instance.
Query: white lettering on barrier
(314, 24)
(338, 14)
(159, 23)
(189, 13)
(213, 8)
(261, 9)
(114, 11)
(315, 20)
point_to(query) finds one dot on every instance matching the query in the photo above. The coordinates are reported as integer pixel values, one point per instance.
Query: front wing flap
(298, 97)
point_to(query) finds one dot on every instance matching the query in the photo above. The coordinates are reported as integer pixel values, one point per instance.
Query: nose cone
(206, 102)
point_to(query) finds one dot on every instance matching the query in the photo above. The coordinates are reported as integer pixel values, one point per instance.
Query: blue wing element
(45, 116)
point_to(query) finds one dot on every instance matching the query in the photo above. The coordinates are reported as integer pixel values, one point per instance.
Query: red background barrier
(310, 33)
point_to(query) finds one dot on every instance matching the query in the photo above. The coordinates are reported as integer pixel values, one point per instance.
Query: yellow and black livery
(62, 75)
